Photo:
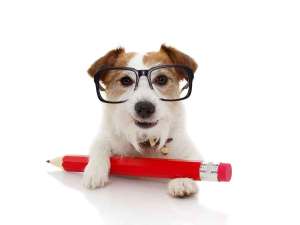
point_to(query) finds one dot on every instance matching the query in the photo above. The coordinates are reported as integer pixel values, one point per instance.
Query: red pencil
(152, 167)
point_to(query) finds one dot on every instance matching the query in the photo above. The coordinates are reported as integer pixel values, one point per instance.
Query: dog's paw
(95, 176)
(182, 187)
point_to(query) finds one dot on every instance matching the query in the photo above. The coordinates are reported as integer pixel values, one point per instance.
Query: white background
(244, 108)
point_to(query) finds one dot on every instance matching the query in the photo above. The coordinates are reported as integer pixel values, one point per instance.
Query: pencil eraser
(224, 172)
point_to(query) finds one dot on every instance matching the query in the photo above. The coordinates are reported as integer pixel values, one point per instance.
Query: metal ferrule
(209, 171)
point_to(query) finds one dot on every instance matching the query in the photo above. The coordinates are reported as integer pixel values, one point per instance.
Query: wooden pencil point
(56, 162)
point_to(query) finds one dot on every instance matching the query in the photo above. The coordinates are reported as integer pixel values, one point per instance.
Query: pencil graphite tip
(56, 162)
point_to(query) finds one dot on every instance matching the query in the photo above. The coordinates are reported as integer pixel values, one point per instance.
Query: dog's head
(144, 116)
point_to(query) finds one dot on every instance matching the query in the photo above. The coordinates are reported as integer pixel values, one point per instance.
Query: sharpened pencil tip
(56, 162)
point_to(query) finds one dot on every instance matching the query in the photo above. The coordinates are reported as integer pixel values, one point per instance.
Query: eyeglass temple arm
(184, 87)
(101, 88)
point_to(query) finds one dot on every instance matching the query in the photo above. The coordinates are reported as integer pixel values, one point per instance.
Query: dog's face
(144, 116)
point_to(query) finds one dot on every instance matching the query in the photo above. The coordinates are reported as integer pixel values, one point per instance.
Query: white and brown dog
(144, 124)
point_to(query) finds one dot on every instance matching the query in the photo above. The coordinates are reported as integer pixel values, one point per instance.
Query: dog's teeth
(153, 141)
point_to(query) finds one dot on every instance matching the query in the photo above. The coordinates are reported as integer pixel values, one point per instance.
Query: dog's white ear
(178, 57)
(109, 59)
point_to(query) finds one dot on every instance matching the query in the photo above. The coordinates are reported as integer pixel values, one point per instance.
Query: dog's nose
(144, 109)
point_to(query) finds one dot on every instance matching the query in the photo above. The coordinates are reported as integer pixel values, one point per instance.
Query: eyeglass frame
(146, 73)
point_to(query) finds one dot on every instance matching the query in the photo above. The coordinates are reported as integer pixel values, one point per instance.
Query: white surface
(244, 108)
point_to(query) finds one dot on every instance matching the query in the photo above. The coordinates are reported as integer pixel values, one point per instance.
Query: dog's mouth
(145, 125)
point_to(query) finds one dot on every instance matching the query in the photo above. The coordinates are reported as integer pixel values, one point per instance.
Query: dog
(144, 124)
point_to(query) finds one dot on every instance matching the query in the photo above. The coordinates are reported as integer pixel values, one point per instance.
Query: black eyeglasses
(169, 82)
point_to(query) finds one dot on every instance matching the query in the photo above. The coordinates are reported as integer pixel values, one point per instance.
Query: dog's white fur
(120, 136)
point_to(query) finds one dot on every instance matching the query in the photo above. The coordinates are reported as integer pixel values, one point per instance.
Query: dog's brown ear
(109, 59)
(178, 57)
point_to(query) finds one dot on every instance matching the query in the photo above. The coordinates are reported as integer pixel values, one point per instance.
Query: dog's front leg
(97, 171)
(184, 187)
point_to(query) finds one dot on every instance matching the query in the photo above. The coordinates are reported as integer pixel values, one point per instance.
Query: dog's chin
(146, 128)
(139, 132)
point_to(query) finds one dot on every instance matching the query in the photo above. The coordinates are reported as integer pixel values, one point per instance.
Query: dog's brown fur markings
(114, 58)
(178, 57)
(170, 55)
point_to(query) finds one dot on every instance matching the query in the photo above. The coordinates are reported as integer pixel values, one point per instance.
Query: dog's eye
(161, 80)
(126, 81)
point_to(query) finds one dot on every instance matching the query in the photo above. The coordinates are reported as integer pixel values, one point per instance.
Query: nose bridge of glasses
(143, 73)
(144, 81)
